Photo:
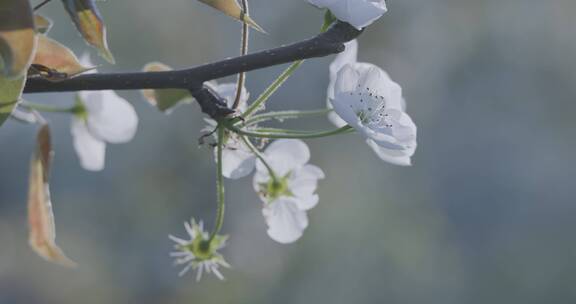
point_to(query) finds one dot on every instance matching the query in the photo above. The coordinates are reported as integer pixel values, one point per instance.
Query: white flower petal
(345, 107)
(285, 155)
(90, 150)
(347, 79)
(395, 157)
(359, 13)
(303, 184)
(401, 131)
(110, 117)
(379, 82)
(237, 163)
(286, 222)
(334, 118)
(349, 56)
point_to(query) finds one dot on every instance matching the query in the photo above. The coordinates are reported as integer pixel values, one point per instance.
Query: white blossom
(287, 198)
(199, 253)
(367, 99)
(101, 117)
(237, 159)
(359, 13)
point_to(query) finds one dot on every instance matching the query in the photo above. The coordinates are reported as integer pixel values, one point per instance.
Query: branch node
(211, 104)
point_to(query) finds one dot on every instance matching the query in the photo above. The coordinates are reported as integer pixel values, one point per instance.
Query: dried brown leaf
(57, 57)
(42, 232)
(17, 37)
(232, 9)
(164, 99)
(42, 24)
(88, 21)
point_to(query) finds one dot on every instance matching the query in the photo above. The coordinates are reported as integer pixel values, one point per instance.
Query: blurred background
(486, 215)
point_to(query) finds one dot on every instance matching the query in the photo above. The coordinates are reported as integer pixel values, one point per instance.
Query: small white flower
(101, 117)
(359, 13)
(199, 252)
(368, 100)
(237, 159)
(287, 199)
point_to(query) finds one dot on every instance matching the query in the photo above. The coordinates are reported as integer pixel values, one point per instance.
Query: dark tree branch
(327, 43)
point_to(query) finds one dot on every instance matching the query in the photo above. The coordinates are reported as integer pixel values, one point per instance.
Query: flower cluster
(362, 97)
(284, 181)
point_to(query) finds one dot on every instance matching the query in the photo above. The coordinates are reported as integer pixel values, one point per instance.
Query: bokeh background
(487, 213)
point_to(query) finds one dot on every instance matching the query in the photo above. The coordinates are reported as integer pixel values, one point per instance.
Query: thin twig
(243, 51)
(41, 4)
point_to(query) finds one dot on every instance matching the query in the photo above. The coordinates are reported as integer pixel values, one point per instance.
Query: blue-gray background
(486, 215)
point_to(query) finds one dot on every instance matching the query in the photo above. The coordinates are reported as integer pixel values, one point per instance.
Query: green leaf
(164, 99)
(88, 21)
(17, 37)
(42, 234)
(232, 9)
(10, 92)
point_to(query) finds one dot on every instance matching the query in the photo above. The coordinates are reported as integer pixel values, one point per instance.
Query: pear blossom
(359, 13)
(367, 99)
(237, 159)
(100, 117)
(199, 253)
(291, 192)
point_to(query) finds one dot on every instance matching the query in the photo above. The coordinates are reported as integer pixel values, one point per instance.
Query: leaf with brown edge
(42, 24)
(10, 92)
(164, 99)
(88, 21)
(17, 37)
(42, 232)
(233, 9)
(57, 57)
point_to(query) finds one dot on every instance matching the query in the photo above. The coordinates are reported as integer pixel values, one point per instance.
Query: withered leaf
(42, 24)
(17, 37)
(10, 92)
(57, 57)
(88, 21)
(42, 232)
(164, 99)
(234, 10)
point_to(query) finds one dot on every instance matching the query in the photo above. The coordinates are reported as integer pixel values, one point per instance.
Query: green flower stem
(273, 87)
(329, 19)
(261, 158)
(290, 133)
(280, 115)
(219, 184)
(280, 131)
(46, 108)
